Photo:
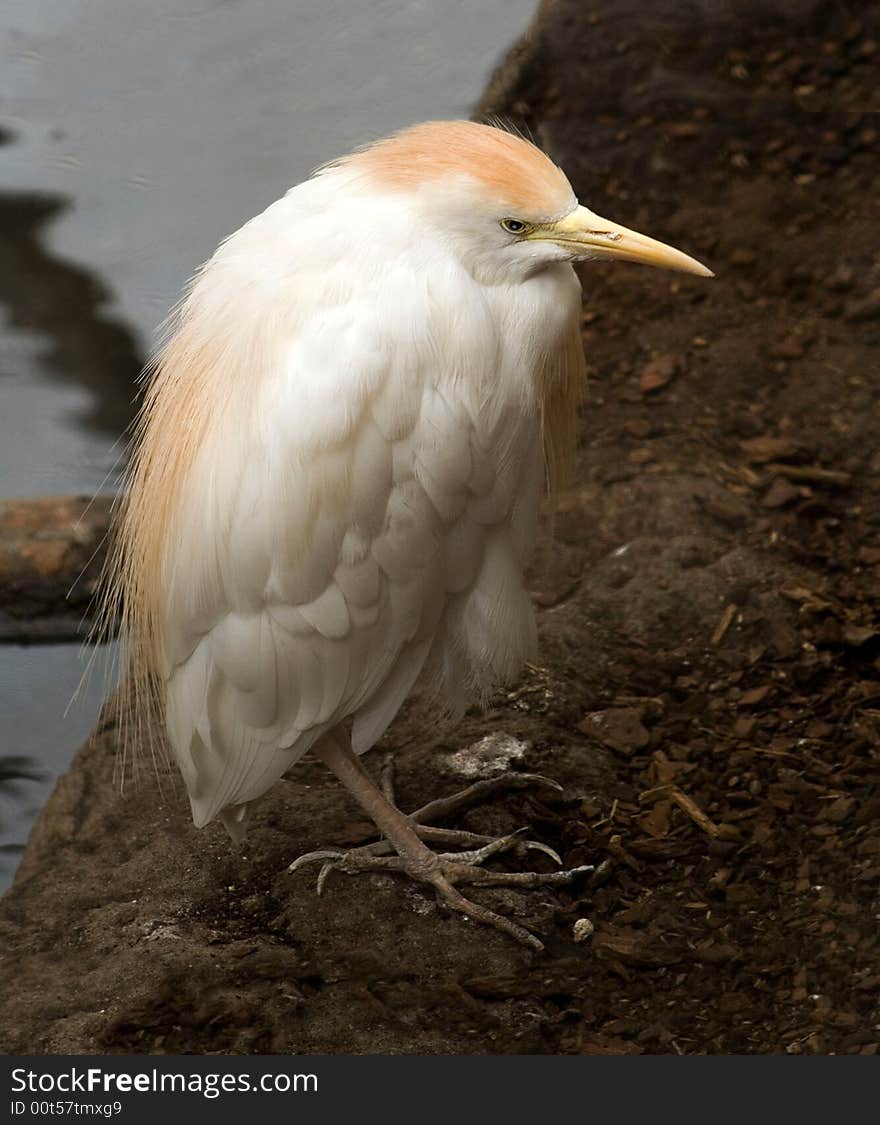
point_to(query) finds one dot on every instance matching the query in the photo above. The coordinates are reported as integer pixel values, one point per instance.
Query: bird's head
(506, 209)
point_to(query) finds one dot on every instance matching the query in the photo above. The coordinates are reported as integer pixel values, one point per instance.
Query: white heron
(338, 464)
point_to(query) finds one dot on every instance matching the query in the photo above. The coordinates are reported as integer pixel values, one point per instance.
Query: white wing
(352, 516)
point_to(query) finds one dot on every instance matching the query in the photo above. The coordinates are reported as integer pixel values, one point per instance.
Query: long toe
(456, 901)
(458, 872)
(479, 792)
(490, 847)
(444, 871)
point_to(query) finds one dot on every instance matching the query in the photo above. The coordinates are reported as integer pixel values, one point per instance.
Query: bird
(336, 472)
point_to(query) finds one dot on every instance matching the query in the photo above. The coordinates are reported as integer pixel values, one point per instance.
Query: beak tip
(692, 266)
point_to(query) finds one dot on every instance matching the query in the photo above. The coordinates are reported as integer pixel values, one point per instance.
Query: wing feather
(356, 532)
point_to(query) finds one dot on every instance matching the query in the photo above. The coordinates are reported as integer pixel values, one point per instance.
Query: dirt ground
(709, 693)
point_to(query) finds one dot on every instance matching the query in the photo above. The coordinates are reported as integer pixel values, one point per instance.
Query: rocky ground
(51, 552)
(709, 693)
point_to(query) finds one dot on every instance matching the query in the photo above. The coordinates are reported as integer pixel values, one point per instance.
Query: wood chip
(811, 474)
(755, 695)
(723, 625)
(684, 802)
(759, 450)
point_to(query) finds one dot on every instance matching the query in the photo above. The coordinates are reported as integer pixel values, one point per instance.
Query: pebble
(488, 757)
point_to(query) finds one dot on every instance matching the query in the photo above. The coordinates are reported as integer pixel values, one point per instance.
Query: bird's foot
(477, 849)
(444, 870)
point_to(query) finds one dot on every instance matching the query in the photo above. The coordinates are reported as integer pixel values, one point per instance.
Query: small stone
(659, 371)
(841, 279)
(725, 508)
(489, 756)
(682, 129)
(583, 929)
(789, 347)
(642, 428)
(780, 493)
(619, 728)
(857, 635)
(765, 448)
(755, 695)
(742, 256)
(867, 308)
(839, 810)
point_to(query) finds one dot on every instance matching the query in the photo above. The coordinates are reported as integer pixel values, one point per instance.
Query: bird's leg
(442, 871)
(386, 779)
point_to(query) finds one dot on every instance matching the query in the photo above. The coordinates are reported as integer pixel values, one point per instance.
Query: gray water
(137, 136)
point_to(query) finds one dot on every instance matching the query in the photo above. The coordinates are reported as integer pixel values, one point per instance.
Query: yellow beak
(590, 236)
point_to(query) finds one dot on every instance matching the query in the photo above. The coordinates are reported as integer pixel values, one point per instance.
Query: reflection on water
(36, 688)
(65, 304)
(141, 135)
(67, 369)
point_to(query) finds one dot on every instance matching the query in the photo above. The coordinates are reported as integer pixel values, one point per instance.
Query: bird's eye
(514, 226)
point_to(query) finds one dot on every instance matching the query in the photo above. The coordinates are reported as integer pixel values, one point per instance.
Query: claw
(541, 780)
(313, 857)
(322, 877)
(535, 846)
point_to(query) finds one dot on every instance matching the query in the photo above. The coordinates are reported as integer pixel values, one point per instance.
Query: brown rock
(51, 553)
(634, 947)
(780, 493)
(857, 635)
(867, 308)
(659, 371)
(619, 728)
(755, 695)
